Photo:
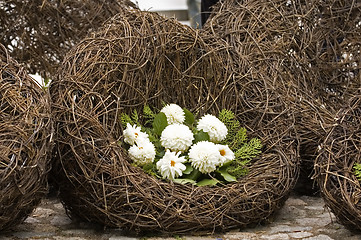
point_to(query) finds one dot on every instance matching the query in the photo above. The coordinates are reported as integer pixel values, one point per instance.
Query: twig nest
(334, 170)
(25, 135)
(143, 58)
(38, 33)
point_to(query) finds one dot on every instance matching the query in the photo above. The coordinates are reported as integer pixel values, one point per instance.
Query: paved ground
(302, 217)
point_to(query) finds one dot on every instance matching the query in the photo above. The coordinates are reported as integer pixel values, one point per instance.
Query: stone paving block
(300, 235)
(122, 238)
(288, 228)
(315, 222)
(279, 236)
(295, 202)
(320, 237)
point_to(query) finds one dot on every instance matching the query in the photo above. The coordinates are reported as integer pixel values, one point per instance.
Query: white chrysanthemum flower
(226, 154)
(204, 156)
(216, 129)
(133, 133)
(171, 165)
(142, 153)
(176, 137)
(174, 113)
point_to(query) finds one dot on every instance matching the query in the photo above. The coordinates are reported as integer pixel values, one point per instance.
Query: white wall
(161, 5)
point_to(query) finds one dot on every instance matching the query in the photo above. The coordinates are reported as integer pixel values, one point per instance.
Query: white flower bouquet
(173, 145)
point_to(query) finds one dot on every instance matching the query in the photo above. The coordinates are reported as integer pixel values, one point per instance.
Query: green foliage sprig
(357, 170)
(237, 141)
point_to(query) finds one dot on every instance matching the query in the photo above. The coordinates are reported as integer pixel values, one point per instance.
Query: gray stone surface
(302, 217)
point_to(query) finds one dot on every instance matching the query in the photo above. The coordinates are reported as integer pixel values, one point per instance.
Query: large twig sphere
(334, 170)
(319, 44)
(142, 58)
(25, 142)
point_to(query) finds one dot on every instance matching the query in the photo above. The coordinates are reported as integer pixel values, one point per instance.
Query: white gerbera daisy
(174, 113)
(176, 137)
(142, 153)
(204, 156)
(216, 129)
(133, 133)
(226, 154)
(171, 165)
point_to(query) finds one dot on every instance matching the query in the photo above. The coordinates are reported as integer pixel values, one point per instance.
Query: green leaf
(228, 177)
(160, 154)
(124, 119)
(188, 170)
(207, 182)
(357, 170)
(189, 117)
(194, 175)
(184, 180)
(148, 166)
(135, 116)
(148, 115)
(159, 123)
(46, 81)
(201, 136)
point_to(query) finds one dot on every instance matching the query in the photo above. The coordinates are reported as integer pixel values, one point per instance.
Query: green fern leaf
(357, 170)
(124, 119)
(135, 117)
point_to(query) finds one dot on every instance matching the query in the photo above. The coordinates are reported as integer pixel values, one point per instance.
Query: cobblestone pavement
(302, 217)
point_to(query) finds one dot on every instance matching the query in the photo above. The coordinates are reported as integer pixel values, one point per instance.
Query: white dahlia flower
(133, 133)
(216, 129)
(226, 154)
(174, 113)
(171, 165)
(204, 156)
(176, 137)
(142, 153)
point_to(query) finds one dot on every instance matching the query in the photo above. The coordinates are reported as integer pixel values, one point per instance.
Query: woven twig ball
(25, 142)
(38, 33)
(334, 49)
(143, 58)
(334, 171)
(318, 42)
(270, 36)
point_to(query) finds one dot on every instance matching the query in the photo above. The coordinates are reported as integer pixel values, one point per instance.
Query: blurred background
(186, 11)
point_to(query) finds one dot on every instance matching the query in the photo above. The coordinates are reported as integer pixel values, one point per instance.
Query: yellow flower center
(222, 152)
(172, 163)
